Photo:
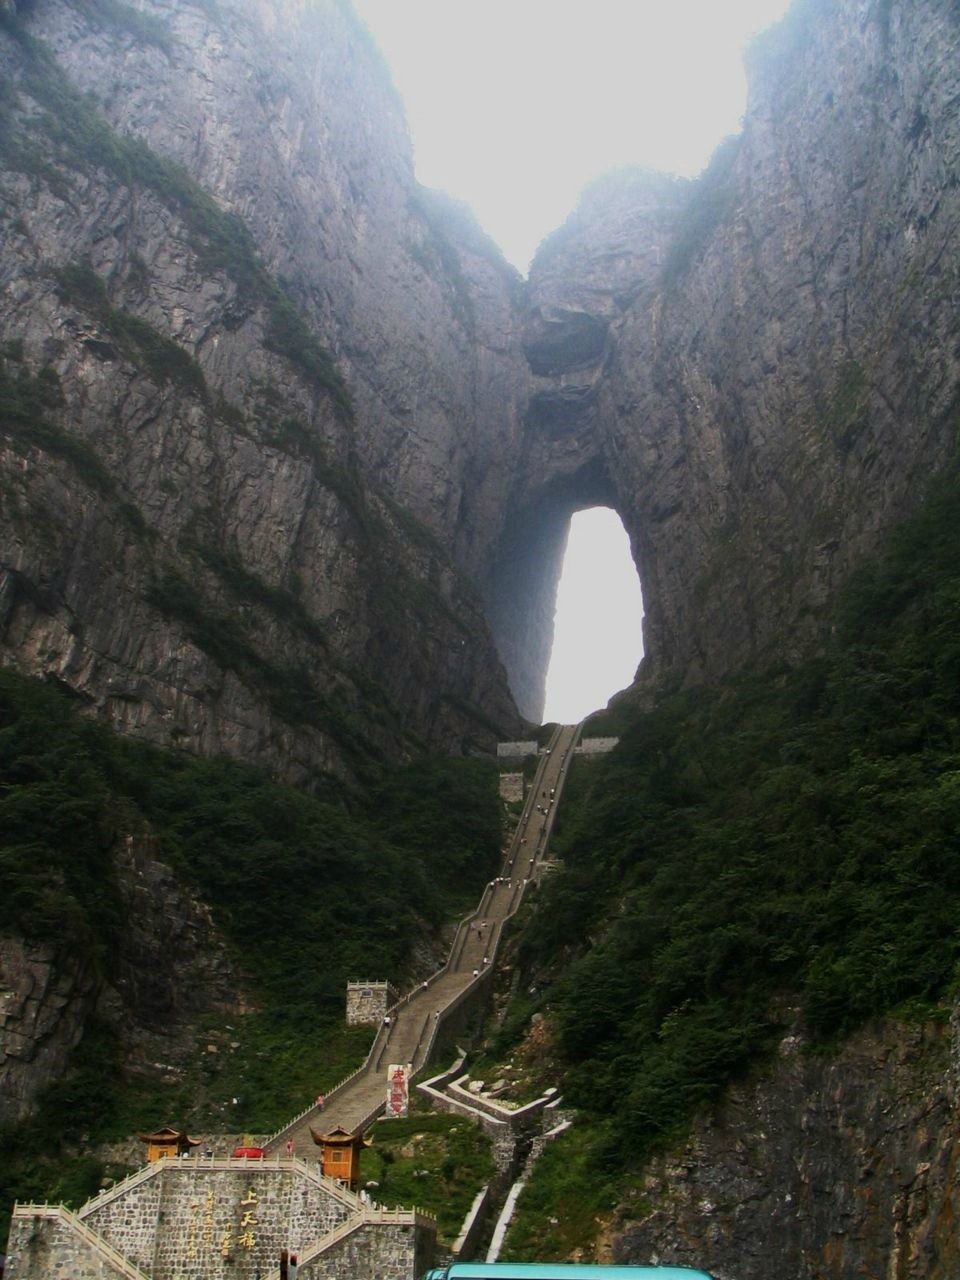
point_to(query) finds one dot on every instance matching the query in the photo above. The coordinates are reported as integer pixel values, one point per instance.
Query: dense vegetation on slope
(309, 889)
(781, 842)
(437, 1162)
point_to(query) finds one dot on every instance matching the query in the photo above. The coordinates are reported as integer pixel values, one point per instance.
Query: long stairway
(414, 1020)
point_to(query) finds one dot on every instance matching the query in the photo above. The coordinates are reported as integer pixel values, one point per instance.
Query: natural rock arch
(522, 590)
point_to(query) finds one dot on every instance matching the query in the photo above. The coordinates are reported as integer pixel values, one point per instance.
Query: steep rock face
(171, 967)
(763, 364)
(757, 370)
(44, 1006)
(826, 1167)
(588, 274)
(284, 112)
(207, 534)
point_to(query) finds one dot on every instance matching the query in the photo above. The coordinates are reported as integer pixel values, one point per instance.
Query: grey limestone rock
(778, 369)
(756, 369)
(216, 449)
(829, 1166)
(171, 968)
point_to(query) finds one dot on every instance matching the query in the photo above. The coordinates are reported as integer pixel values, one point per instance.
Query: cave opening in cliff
(597, 640)
(570, 515)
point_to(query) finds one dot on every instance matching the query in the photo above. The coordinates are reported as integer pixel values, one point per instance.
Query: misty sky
(514, 105)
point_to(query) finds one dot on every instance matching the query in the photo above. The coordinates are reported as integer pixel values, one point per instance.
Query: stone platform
(219, 1220)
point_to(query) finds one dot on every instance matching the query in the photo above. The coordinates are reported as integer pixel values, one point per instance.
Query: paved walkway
(415, 1019)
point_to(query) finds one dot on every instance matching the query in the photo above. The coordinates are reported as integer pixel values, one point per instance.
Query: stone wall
(195, 1220)
(460, 1018)
(381, 1251)
(516, 750)
(368, 1002)
(467, 1243)
(41, 1247)
(503, 1140)
(511, 787)
(218, 1221)
(595, 746)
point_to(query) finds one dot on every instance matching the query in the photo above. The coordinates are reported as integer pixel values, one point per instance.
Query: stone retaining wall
(595, 746)
(459, 1018)
(367, 1002)
(196, 1222)
(47, 1249)
(376, 1252)
(511, 787)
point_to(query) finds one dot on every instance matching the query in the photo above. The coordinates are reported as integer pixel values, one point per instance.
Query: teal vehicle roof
(562, 1271)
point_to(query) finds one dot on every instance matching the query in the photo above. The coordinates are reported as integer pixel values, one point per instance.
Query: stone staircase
(368, 1216)
(111, 1259)
(143, 1174)
(162, 1231)
(165, 1221)
(416, 1019)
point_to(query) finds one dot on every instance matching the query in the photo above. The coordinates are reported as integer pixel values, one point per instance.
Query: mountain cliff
(288, 454)
(762, 364)
(745, 971)
(301, 439)
(221, 531)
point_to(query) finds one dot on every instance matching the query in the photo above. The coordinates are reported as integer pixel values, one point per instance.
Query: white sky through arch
(514, 105)
(597, 641)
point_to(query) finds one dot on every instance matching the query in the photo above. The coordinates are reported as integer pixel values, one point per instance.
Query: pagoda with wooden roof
(340, 1155)
(167, 1143)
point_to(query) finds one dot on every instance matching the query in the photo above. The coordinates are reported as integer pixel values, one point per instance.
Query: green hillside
(308, 889)
(788, 838)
